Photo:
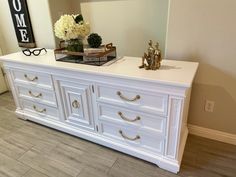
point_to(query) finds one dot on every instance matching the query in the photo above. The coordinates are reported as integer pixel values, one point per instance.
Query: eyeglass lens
(27, 52)
(36, 52)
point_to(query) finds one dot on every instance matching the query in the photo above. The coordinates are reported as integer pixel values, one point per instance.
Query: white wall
(2, 46)
(205, 31)
(129, 24)
(41, 24)
(7, 29)
(3, 86)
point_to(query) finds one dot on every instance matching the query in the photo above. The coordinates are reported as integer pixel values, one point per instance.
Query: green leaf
(79, 18)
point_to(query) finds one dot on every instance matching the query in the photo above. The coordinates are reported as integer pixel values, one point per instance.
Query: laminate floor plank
(217, 164)
(194, 171)
(18, 141)
(66, 154)
(11, 168)
(4, 132)
(80, 144)
(28, 149)
(34, 173)
(7, 102)
(11, 149)
(28, 141)
(96, 161)
(92, 172)
(46, 165)
(8, 120)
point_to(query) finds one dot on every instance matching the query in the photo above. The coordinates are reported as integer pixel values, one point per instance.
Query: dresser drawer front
(133, 137)
(37, 95)
(39, 110)
(41, 80)
(155, 103)
(132, 118)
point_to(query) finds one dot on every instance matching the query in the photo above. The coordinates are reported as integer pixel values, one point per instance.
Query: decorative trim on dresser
(138, 112)
(212, 134)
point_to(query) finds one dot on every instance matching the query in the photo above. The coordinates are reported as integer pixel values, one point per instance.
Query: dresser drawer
(155, 103)
(40, 80)
(132, 118)
(133, 137)
(37, 95)
(39, 110)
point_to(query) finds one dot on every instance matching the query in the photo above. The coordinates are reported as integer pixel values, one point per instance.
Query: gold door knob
(75, 104)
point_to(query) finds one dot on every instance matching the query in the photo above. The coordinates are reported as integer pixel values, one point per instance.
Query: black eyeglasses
(35, 52)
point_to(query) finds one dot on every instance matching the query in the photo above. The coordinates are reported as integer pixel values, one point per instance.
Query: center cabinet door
(76, 99)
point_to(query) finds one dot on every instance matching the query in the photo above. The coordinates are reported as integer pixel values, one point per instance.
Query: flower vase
(75, 45)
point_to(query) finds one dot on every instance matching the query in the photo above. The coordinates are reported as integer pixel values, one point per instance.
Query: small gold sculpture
(152, 59)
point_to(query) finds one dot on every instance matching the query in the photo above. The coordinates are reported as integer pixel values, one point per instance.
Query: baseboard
(212, 134)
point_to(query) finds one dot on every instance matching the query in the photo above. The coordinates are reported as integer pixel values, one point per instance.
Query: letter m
(20, 20)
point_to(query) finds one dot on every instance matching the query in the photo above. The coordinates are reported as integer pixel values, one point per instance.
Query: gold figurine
(152, 59)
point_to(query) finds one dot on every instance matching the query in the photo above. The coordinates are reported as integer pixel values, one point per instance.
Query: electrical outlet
(209, 106)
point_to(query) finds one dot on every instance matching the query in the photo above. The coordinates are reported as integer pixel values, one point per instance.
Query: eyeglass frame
(32, 52)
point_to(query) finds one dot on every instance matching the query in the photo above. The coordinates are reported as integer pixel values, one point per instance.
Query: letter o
(19, 5)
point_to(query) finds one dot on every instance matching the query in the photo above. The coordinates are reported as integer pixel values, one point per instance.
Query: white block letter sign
(21, 20)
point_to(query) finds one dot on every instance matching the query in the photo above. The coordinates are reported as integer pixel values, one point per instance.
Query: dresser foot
(20, 114)
(169, 166)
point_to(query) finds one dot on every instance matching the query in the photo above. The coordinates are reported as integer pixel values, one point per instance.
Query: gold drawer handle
(37, 110)
(75, 104)
(36, 96)
(129, 120)
(137, 97)
(29, 79)
(128, 138)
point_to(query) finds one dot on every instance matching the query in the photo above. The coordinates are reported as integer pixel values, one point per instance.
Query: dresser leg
(20, 114)
(172, 167)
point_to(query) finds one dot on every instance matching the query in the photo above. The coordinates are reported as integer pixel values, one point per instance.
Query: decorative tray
(90, 58)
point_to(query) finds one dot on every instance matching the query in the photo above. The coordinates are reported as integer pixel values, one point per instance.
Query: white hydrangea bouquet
(72, 29)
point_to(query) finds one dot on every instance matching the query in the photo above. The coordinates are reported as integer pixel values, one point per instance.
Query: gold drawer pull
(36, 96)
(128, 138)
(37, 110)
(75, 104)
(127, 99)
(129, 120)
(29, 79)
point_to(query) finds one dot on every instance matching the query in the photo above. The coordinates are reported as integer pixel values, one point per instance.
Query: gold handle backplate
(127, 119)
(128, 138)
(137, 97)
(31, 79)
(36, 96)
(37, 110)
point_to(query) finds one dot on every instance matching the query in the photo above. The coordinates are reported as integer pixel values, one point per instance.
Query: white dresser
(138, 112)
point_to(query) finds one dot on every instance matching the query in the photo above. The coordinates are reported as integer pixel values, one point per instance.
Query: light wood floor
(31, 150)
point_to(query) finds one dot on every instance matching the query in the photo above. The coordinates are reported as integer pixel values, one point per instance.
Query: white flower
(66, 28)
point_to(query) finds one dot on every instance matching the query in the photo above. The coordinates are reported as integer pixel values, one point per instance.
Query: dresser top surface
(178, 73)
